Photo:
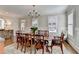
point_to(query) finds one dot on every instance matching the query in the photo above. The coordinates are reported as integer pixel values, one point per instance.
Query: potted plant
(33, 29)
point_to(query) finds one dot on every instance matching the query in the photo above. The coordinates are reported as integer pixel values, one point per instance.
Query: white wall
(43, 22)
(15, 25)
(28, 24)
(11, 22)
(77, 26)
(75, 40)
(61, 23)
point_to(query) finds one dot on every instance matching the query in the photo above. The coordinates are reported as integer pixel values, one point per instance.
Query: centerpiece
(33, 29)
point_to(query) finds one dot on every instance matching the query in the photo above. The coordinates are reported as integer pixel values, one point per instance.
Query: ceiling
(22, 10)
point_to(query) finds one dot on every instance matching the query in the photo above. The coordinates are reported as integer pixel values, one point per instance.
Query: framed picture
(52, 23)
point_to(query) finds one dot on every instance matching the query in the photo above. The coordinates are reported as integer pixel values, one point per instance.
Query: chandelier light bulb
(33, 10)
(33, 5)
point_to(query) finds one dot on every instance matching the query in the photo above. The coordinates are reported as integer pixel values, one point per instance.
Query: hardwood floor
(11, 49)
(10, 45)
(70, 48)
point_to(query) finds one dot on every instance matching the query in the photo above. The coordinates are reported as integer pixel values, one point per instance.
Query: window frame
(74, 22)
(70, 24)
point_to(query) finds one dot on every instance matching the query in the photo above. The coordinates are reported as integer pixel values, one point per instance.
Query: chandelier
(33, 13)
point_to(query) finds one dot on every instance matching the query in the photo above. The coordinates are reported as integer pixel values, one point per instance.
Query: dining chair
(45, 33)
(46, 42)
(20, 40)
(39, 43)
(18, 37)
(58, 41)
(27, 42)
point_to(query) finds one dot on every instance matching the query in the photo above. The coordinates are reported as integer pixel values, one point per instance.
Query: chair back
(18, 36)
(39, 41)
(62, 37)
(27, 40)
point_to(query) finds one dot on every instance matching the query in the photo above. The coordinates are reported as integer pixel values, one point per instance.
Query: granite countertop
(1, 39)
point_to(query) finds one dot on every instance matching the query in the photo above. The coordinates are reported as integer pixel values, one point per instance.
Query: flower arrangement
(33, 29)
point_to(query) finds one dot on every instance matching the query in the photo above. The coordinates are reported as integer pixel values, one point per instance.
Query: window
(2, 24)
(70, 24)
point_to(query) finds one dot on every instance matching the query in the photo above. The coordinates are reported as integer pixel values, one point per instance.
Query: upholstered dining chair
(46, 35)
(58, 41)
(46, 42)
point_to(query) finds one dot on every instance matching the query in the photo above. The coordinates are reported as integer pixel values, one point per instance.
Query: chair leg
(30, 50)
(47, 50)
(35, 51)
(17, 45)
(22, 46)
(62, 49)
(51, 49)
(43, 50)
